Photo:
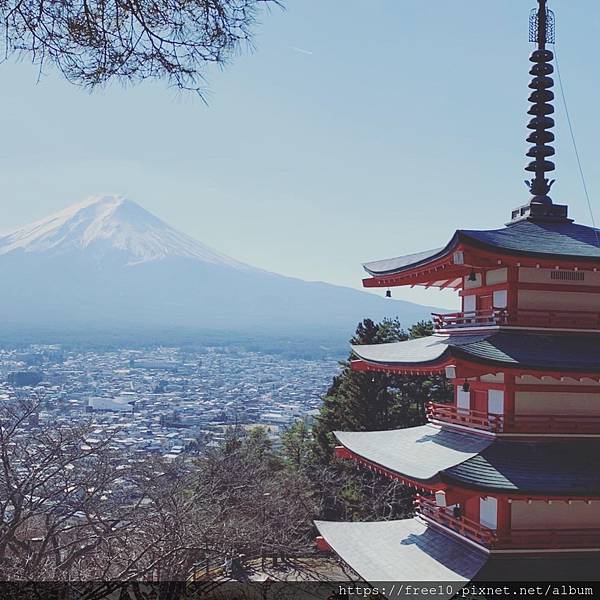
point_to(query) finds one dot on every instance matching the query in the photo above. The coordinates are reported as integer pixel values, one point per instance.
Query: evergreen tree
(371, 401)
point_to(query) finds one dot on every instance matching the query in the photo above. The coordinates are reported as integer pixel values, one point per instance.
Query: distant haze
(109, 263)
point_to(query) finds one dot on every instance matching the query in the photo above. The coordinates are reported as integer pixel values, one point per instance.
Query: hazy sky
(357, 130)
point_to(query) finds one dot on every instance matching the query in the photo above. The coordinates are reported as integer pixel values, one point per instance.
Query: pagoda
(508, 474)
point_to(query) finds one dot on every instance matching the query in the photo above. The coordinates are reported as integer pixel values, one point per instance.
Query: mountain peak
(100, 225)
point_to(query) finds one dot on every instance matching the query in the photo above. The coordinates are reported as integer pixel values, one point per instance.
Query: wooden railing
(560, 319)
(511, 539)
(492, 316)
(522, 423)
(464, 416)
(461, 525)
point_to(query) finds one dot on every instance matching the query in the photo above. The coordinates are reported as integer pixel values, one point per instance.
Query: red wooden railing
(562, 319)
(492, 316)
(463, 416)
(463, 526)
(522, 423)
(510, 539)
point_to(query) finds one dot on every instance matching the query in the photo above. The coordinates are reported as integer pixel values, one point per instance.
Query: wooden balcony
(560, 424)
(449, 413)
(461, 525)
(476, 318)
(517, 539)
(552, 319)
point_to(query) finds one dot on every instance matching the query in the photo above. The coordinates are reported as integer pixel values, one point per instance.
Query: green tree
(370, 401)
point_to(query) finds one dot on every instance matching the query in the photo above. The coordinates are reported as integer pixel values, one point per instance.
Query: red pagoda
(509, 472)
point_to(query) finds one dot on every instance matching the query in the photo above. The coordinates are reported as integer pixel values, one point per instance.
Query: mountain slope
(103, 224)
(109, 263)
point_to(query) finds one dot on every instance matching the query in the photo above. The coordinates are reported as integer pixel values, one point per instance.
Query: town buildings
(166, 401)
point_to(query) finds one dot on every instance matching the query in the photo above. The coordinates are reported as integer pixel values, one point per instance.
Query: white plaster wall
(558, 515)
(493, 378)
(531, 380)
(496, 276)
(557, 403)
(472, 284)
(549, 300)
(533, 275)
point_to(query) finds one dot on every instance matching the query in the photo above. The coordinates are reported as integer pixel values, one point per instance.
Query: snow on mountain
(102, 224)
(108, 264)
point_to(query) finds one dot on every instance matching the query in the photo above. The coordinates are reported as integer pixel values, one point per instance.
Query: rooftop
(404, 550)
(578, 353)
(523, 238)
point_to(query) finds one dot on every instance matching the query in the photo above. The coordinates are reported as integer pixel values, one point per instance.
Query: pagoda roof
(403, 550)
(553, 468)
(542, 351)
(410, 550)
(527, 238)
(419, 453)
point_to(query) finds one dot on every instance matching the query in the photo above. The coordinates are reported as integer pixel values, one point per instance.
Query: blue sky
(356, 130)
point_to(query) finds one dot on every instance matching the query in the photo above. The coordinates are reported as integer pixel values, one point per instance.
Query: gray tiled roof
(527, 467)
(417, 452)
(535, 350)
(405, 550)
(540, 238)
(391, 265)
(524, 237)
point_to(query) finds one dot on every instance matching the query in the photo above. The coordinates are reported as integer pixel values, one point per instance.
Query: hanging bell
(388, 293)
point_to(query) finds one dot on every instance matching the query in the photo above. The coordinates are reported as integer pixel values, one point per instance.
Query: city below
(167, 401)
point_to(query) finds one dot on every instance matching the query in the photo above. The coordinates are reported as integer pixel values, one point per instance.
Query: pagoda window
(500, 298)
(469, 303)
(488, 512)
(558, 277)
(495, 402)
(463, 400)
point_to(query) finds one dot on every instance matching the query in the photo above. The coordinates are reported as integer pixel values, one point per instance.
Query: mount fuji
(109, 263)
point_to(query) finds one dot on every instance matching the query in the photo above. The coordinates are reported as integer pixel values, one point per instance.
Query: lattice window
(568, 275)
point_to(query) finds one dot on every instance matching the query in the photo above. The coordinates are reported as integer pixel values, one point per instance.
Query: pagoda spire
(541, 31)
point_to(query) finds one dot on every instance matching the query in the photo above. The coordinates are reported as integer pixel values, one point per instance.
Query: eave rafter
(456, 492)
(461, 369)
(448, 270)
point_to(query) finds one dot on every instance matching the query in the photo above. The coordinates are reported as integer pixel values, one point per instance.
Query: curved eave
(392, 266)
(532, 468)
(404, 550)
(437, 267)
(418, 454)
(514, 352)
(430, 266)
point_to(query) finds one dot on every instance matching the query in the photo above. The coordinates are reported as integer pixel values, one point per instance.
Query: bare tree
(94, 41)
(73, 508)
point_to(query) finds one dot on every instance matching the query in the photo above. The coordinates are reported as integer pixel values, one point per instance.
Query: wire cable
(569, 122)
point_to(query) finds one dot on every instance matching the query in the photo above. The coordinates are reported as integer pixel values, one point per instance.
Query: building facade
(508, 474)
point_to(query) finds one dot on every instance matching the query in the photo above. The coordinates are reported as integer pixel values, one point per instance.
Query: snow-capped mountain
(108, 264)
(110, 223)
